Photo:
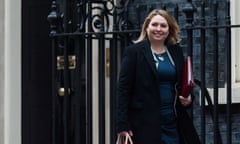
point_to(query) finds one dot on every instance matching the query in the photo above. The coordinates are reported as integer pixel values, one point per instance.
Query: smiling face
(158, 29)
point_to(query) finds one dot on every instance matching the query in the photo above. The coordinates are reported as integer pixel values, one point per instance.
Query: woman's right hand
(124, 133)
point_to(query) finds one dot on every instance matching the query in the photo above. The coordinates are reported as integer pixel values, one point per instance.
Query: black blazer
(138, 96)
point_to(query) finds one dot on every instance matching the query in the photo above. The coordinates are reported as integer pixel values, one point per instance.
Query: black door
(36, 73)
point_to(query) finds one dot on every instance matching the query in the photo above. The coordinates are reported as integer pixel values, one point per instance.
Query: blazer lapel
(149, 57)
(173, 56)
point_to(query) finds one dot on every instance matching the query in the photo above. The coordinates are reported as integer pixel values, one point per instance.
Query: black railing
(215, 28)
(80, 28)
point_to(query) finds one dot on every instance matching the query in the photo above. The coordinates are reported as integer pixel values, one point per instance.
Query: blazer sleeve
(125, 88)
(178, 58)
(180, 65)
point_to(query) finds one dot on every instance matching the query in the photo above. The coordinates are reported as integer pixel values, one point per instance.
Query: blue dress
(167, 79)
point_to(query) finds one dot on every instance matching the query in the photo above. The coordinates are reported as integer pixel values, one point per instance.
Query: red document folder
(188, 79)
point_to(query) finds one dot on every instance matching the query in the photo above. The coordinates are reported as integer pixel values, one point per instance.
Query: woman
(149, 106)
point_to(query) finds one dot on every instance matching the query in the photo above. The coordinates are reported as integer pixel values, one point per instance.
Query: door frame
(12, 72)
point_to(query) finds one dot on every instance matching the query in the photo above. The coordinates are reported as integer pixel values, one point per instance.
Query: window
(235, 20)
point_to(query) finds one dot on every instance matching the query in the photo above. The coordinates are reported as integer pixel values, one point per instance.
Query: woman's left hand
(185, 101)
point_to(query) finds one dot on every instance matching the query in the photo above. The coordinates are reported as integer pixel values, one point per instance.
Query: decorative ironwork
(101, 16)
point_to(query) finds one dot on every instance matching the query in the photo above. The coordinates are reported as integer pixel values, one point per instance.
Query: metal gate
(88, 40)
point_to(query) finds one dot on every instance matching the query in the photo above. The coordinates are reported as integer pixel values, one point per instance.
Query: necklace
(160, 57)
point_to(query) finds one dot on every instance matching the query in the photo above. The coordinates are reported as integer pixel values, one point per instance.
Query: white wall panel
(12, 72)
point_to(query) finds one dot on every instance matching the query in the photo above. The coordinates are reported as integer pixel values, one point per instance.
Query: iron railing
(80, 28)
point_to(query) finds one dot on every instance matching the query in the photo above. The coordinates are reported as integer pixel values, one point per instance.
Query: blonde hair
(173, 36)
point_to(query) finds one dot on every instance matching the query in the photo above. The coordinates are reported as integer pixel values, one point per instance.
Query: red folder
(188, 79)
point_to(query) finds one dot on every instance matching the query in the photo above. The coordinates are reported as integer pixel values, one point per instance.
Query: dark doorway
(36, 73)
